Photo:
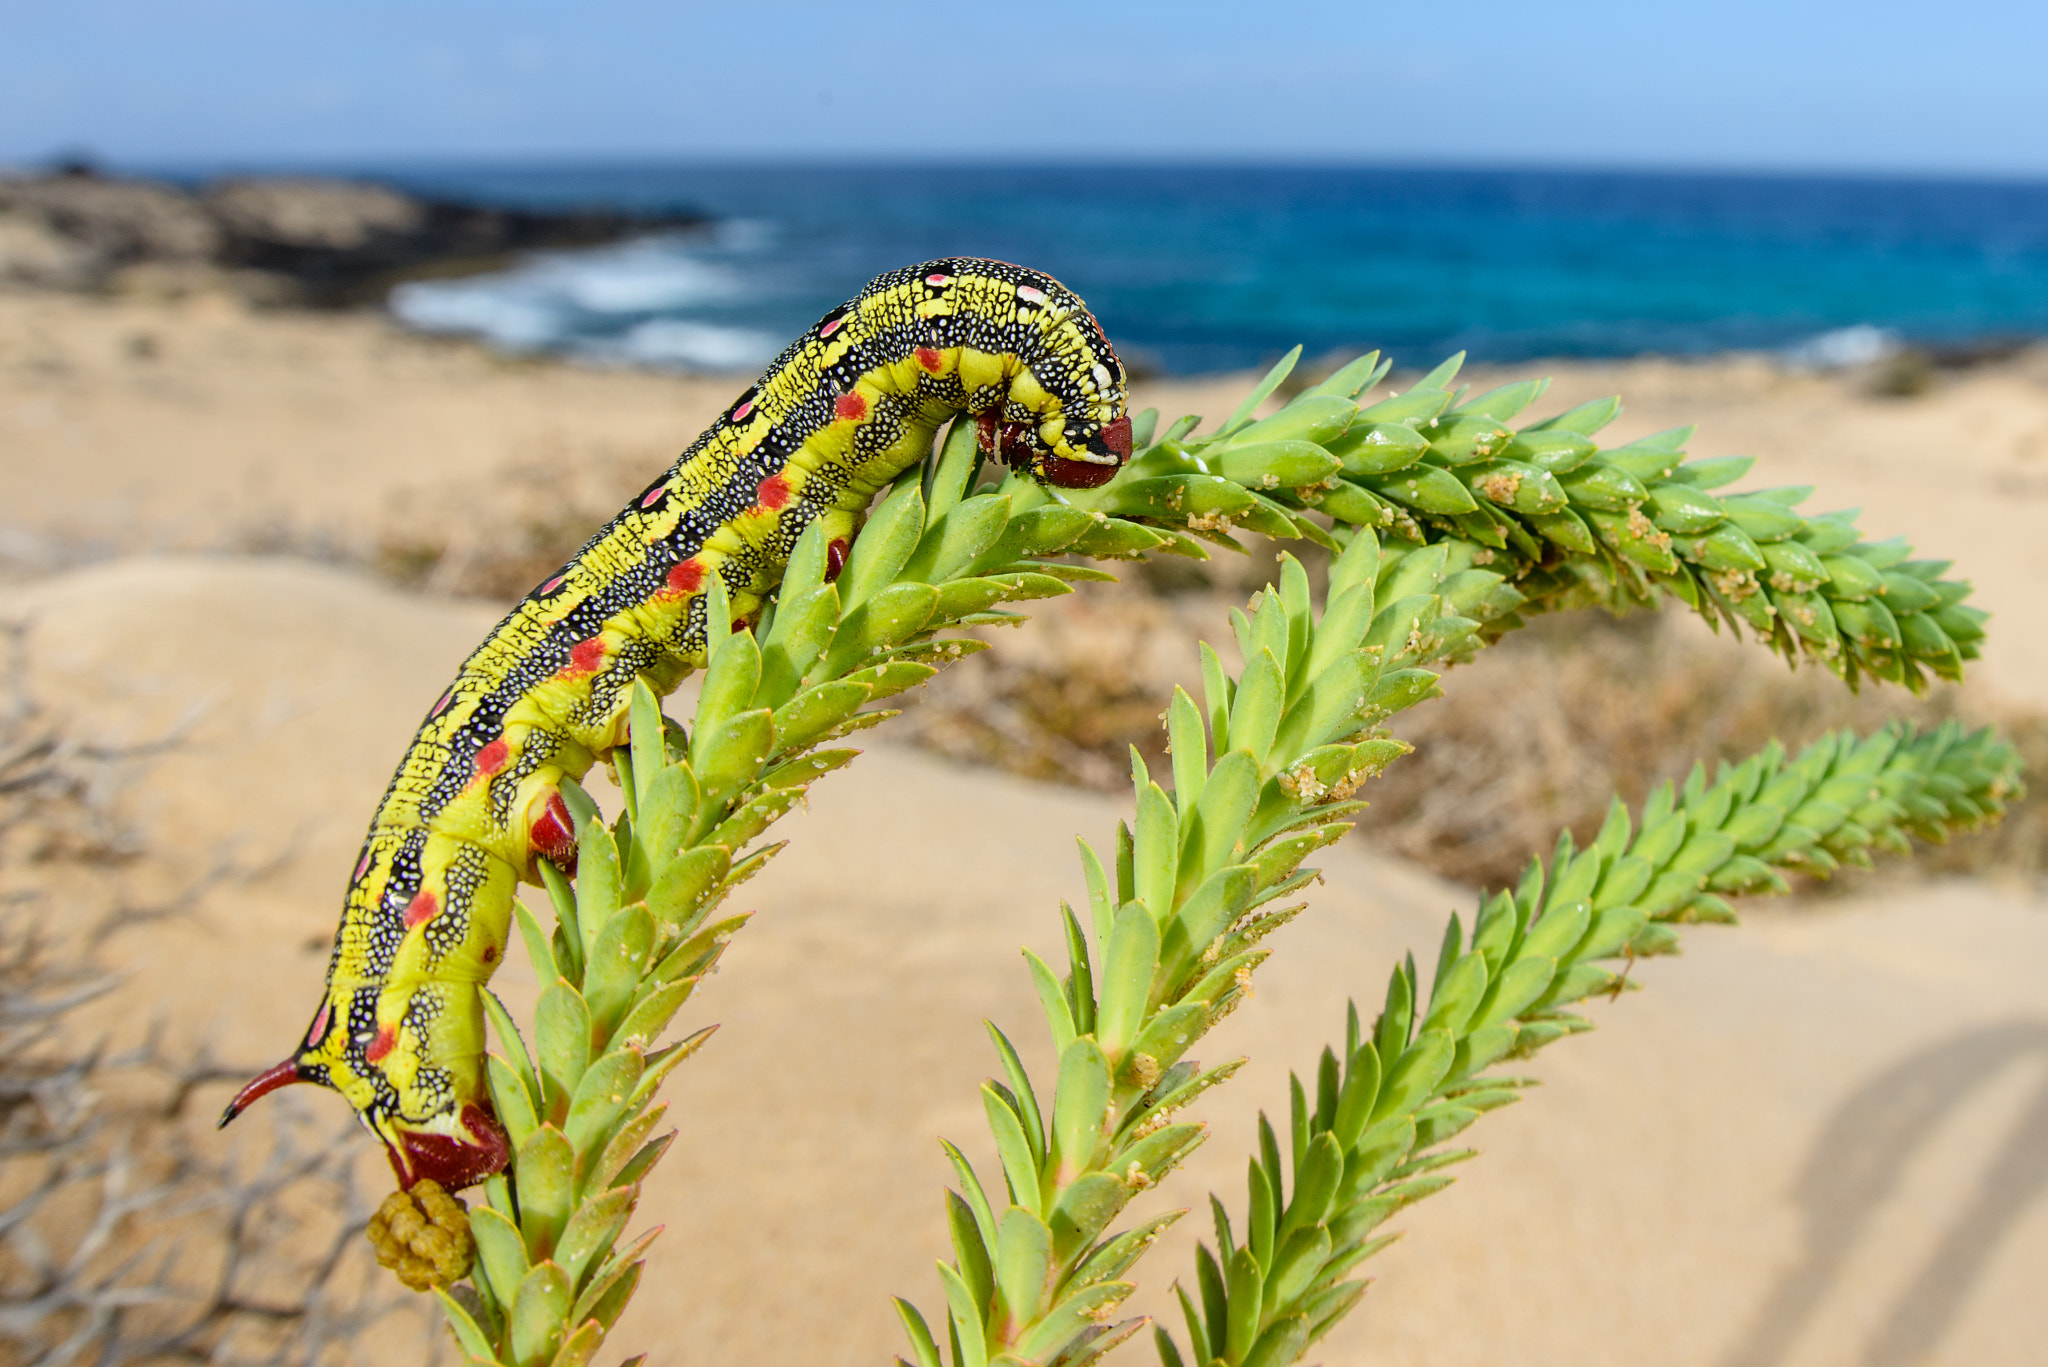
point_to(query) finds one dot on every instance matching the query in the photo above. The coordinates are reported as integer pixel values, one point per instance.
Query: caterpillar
(848, 407)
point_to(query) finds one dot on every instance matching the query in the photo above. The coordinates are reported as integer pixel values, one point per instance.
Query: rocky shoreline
(301, 242)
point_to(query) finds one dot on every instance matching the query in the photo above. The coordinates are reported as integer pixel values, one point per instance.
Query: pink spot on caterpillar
(687, 577)
(362, 867)
(1031, 294)
(319, 1029)
(380, 1047)
(492, 757)
(938, 280)
(740, 414)
(553, 584)
(827, 329)
(654, 496)
(422, 909)
(442, 706)
(851, 407)
(554, 832)
(584, 658)
(930, 359)
(773, 493)
(835, 557)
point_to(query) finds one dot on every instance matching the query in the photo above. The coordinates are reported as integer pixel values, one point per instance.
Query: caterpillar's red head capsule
(1107, 449)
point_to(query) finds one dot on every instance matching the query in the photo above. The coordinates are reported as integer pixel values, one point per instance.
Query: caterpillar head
(1086, 463)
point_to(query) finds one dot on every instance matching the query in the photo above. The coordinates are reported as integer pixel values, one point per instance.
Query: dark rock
(34, 253)
(117, 221)
(319, 243)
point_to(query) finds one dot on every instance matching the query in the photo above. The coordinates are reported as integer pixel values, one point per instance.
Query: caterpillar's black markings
(847, 408)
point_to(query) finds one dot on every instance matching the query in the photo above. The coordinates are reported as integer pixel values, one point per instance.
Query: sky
(1832, 85)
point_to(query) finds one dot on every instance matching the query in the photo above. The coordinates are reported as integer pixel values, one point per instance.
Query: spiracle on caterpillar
(476, 802)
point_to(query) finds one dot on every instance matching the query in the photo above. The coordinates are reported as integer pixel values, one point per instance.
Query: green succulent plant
(1448, 528)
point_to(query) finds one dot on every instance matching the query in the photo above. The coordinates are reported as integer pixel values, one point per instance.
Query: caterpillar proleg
(848, 407)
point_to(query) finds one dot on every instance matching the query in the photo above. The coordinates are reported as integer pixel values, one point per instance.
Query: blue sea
(1196, 269)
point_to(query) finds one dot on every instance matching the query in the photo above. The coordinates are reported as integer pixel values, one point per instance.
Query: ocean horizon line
(1213, 267)
(371, 165)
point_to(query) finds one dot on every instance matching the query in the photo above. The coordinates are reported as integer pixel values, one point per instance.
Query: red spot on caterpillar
(851, 407)
(422, 909)
(826, 329)
(492, 757)
(460, 1160)
(740, 624)
(740, 414)
(687, 577)
(442, 706)
(553, 832)
(553, 584)
(314, 1035)
(362, 867)
(584, 657)
(1117, 437)
(654, 496)
(835, 557)
(938, 279)
(930, 359)
(774, 491)
(381, 1047)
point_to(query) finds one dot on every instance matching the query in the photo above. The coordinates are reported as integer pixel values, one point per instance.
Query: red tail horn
(263, 1084)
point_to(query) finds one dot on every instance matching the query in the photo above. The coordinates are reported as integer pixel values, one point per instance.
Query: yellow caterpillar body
(840, 414)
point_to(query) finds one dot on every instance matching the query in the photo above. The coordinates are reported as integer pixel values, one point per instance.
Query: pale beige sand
(1671, 1177)
(126, 426)
(1640, 1205)
(195, 425)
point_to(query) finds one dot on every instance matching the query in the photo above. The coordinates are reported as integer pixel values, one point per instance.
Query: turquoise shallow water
(1197, 269)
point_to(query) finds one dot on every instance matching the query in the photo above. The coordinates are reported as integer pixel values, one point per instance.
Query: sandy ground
(1821, 1138)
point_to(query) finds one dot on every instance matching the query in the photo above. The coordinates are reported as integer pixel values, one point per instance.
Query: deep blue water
(1196, 269)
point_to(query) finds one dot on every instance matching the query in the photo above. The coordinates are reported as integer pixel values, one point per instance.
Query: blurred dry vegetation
(498, 542)
(129, 1233)
(1535, 735)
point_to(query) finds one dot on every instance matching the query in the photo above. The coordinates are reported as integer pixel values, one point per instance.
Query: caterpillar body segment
(837, 417)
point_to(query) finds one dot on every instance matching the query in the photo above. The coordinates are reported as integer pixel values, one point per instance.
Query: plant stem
(1370, 1139)
(1499, 523)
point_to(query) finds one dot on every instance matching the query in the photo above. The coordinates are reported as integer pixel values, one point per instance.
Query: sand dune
(1815, 1139)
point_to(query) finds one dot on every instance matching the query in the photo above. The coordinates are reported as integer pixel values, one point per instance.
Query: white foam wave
(1843, 348)
(479, 308)
(587, 301)
(680, 344)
